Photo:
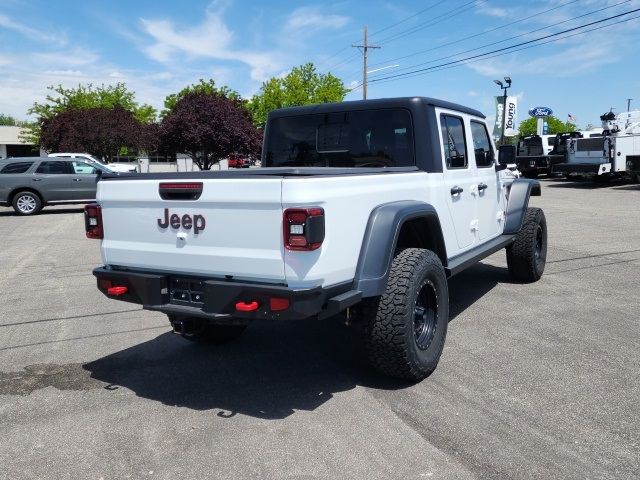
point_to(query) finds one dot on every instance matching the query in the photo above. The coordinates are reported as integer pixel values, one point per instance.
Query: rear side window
(52, 167)
(481, 145)
(453, 139)
(83, 168)
(17, 167)
(368, 138)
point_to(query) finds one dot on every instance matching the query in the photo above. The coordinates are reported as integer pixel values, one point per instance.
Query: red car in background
(237, 162)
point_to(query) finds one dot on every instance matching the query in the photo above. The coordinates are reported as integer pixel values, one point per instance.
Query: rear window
(17, 167)
(368, 138)
(590, 144)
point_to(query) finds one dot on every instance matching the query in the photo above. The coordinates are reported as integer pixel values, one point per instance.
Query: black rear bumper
(216, 300)
(538, 164)
(565, 168)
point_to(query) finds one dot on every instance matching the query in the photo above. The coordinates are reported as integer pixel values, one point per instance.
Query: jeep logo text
(197, 222)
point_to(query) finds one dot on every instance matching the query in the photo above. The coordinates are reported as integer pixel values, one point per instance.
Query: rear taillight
(93, 221)
(303, 228)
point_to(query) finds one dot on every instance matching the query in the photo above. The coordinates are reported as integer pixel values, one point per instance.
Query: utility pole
(629, 104)
(364, 48)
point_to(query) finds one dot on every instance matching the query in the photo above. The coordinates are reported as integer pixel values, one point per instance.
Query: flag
(511, 114)
(572, 118)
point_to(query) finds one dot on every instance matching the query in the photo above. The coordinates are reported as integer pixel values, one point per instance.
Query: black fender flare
(380, 240)
(521, 190)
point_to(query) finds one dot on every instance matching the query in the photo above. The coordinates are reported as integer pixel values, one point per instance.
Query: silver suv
(30, 183)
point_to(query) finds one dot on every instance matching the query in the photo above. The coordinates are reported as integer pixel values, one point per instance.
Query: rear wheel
(527, 256)
(407, 326)
(27, 203)
(198, 330)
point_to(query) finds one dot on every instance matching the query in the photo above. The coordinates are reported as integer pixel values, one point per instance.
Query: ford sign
(539, 112)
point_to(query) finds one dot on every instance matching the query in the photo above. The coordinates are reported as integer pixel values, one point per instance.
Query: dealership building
(11, 145)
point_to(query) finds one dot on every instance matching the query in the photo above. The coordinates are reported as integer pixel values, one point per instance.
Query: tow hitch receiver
(178, 327)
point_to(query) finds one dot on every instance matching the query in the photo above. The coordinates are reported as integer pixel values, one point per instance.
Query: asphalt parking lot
(536, 381)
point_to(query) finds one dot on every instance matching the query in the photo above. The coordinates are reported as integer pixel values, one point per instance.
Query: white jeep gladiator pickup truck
(366, 206)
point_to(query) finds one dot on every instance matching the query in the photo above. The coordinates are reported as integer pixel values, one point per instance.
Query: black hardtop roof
(401, 102)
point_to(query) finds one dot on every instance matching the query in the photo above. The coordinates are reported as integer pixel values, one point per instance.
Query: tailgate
(234, 227)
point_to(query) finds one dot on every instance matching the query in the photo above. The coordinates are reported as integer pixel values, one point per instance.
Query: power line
(510, 47)
(466, 62)
(421, 26)
(444, 16)
(514, 37)
(485, 32)
(378, 32)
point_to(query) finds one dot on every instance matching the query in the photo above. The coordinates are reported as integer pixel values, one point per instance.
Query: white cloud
(74, 57)
(310, 20)
(493, 11)
(211, 39)
(472, 93)
(31, 33)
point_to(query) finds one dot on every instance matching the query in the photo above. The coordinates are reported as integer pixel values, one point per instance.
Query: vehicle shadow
(273, 370)
(584, 183)
(45, 211)
(472, 284)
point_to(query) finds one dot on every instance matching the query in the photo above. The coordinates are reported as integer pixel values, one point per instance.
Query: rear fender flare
(381, 239)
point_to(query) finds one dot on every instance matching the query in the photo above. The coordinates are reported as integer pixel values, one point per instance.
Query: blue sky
(157, 47)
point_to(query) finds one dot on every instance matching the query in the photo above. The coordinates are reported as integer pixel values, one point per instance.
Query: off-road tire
(391, 338)
(527, 256)
(209, 333)
(26, 203)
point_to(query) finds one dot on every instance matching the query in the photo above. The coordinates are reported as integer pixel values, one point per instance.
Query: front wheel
(27, 203)
(406, 327)
(527, 255)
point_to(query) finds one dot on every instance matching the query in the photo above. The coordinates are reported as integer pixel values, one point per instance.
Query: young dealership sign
(511, 116)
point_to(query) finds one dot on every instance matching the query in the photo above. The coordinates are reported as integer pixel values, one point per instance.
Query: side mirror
(506, 155)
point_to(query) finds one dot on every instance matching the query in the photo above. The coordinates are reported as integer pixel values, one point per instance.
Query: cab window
(481, 144)
(453, 140)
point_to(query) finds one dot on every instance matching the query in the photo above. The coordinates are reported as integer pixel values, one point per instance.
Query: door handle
(37, 179)
(77, 179)
(456, 190)
(482, 186)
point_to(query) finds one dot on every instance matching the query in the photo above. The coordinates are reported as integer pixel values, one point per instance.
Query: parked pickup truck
(363, 207)
(538, 154)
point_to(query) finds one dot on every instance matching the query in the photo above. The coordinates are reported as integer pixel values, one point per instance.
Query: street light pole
(504, 104)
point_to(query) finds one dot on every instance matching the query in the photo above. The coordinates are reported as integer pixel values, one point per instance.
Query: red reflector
(277, 304)
(297, 241)
(246, 307)
(181, 186)
(117, 291)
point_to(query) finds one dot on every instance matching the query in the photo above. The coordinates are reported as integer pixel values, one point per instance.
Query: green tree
(302, 86)
(208, 87)
(7, 120)
(84, 97)
(555, 125)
